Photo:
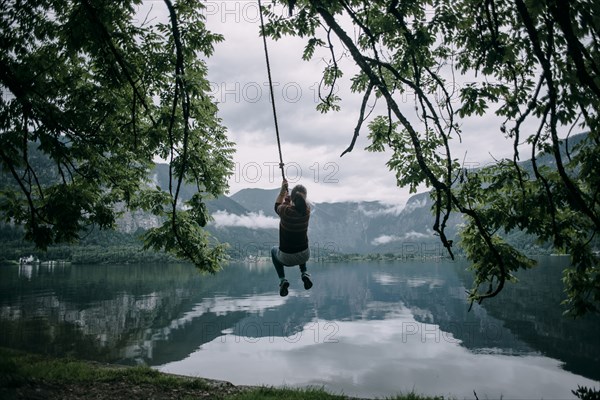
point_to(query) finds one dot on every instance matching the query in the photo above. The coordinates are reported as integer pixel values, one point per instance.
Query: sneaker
(283, 288)
(307, 282)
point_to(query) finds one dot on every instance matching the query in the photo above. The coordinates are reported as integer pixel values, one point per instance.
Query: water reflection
(365, 329)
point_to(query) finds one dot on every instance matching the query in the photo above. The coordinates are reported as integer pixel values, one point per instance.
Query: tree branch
(118, 56)
(575, 194)
(361, 119)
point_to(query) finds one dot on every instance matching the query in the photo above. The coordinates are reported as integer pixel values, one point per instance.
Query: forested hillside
(247, 222)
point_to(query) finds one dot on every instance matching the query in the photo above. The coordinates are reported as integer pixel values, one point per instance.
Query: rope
(262, 27)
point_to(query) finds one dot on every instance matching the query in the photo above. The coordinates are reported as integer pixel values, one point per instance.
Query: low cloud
(413, 205)
(384, 239)
(250, 220)
(384, 210)
(416, 235)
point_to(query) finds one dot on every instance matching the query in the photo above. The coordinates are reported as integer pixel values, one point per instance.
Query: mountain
(225, 203)
(257, 200)
(246, 220)
(370, 227)
(346, 227)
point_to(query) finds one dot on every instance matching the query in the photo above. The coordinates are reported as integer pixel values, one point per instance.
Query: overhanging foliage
(103, 93)
(536, 65)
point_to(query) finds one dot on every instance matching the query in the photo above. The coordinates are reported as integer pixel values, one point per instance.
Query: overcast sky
(311, 142)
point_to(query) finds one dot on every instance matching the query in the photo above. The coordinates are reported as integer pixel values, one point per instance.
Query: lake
(369, 329)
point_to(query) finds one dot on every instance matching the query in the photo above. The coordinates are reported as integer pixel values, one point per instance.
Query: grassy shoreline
(32, 376)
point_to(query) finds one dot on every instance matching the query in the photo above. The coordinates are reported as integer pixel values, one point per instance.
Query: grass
(268, 393)
(18, 369)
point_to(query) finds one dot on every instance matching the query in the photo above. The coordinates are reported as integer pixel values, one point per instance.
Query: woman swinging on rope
(294, 214)
(293, 211)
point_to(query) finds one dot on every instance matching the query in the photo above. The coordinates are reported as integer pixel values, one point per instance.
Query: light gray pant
(281, 259)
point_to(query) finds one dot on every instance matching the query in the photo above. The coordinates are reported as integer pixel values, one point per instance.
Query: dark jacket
(293, 228)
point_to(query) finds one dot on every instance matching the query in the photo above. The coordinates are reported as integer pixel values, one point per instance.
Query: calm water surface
(365, 329)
